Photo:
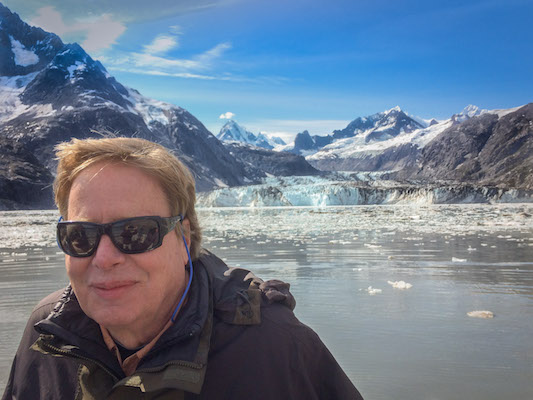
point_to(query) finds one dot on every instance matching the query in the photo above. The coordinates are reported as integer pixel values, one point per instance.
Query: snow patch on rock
(23, 57)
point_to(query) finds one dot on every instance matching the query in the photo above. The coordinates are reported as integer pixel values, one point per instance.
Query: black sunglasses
(130, 236)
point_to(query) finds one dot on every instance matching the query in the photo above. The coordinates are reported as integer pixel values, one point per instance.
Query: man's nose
(107, 255)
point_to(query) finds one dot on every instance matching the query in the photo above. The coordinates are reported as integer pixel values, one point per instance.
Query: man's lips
(112, 289)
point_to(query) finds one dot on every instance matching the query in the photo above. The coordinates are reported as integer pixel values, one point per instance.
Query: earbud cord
(176, 310)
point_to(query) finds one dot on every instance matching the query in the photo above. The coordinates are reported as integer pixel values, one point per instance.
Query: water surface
(417, 343)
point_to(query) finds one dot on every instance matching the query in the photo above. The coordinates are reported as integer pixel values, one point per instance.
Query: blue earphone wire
(176, 310)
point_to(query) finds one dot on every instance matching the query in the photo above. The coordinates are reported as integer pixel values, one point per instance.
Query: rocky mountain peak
(379, 126)
(468, 112)
(24, 49)
(74, 79)
(233, 132)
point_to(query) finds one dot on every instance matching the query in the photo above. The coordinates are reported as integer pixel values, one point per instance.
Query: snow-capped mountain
(394, 152)
(469, 111)
(51, 92)
(379, 127)
(232, 132)
(395, 141)
(494, 147)
(256, 154)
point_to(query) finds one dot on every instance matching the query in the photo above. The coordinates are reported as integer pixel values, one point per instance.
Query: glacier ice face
(348, 190)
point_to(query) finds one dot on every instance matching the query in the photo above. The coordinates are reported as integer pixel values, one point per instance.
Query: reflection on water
(398, 344)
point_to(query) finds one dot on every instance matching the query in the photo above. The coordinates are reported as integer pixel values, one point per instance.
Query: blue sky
(284, 66)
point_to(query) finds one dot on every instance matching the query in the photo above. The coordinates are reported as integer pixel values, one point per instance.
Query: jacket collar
(72, 328)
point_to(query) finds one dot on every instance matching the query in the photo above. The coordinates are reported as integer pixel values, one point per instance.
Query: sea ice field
(414, 301)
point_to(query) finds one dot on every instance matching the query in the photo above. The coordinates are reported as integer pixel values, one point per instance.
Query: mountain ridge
(64, 93)
(53, 91)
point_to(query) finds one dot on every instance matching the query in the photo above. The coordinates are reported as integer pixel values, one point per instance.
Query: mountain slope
(51, 92)
(492, 148)
(265, 162)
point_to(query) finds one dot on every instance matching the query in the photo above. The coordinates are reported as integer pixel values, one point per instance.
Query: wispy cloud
(156, 58)
(215, 53)
(161, 44)
(228, 115)
(97, 33)
(155, 72)
(100, 32)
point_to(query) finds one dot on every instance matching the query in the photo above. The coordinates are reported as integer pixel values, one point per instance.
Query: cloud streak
(161, 44)
(154, 59)
(97, 33)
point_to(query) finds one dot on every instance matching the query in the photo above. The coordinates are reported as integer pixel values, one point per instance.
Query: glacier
(354, 189)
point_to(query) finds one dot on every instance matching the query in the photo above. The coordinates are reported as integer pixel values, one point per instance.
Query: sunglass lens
(78, 239)
(135, 235)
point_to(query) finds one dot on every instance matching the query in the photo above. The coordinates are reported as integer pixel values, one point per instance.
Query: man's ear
(186, 229)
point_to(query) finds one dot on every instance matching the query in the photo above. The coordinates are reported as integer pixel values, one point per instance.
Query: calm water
(417, 343)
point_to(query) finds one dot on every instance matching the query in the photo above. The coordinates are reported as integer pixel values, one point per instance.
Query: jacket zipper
(187, 364)
(57, 350)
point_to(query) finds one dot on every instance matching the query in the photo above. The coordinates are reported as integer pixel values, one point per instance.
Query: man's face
(132, 292)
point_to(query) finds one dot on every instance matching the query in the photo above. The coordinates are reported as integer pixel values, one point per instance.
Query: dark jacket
(236, 338)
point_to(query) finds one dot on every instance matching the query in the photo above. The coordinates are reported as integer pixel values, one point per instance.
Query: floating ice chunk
(471, 248)
(372, 246)
(400, 285)
(480, 314)
(357, 269)
(455, 259)
(372, 290)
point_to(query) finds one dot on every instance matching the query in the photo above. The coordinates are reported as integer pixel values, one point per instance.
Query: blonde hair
(175, 179)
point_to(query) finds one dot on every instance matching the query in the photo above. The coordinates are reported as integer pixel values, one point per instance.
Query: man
(149, 314)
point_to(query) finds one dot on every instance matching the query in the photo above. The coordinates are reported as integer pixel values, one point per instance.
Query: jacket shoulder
(287, 357)
(34, 375)
(239, 295)
(46, 305)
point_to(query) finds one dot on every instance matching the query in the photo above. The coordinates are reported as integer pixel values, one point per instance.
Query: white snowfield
(360, 147)
(23, 56)
(150, 110)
